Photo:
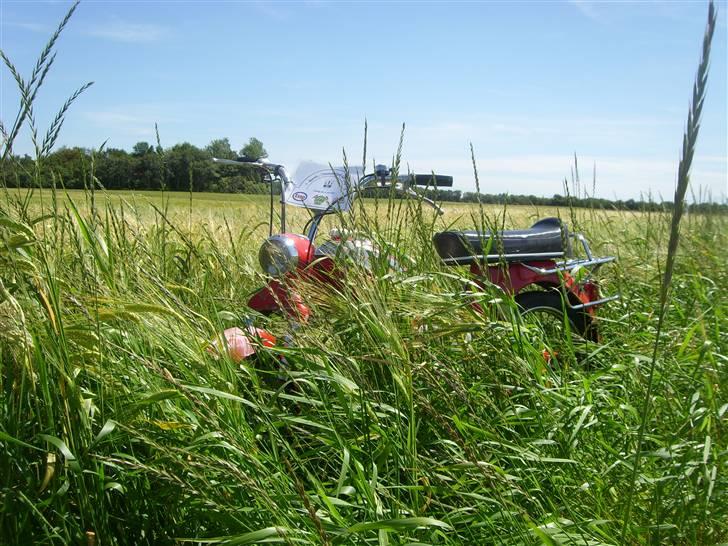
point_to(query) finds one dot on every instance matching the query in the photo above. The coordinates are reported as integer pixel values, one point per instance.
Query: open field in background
(246, 210)
(401, 416)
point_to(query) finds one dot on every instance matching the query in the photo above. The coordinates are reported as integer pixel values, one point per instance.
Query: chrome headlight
(278, 255)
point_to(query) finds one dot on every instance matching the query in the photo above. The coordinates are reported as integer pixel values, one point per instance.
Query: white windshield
(318, 187)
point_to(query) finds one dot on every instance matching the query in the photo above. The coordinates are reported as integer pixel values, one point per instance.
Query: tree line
(567, 200)
(185, 167)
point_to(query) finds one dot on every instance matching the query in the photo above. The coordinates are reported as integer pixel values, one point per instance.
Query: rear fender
(514, 277)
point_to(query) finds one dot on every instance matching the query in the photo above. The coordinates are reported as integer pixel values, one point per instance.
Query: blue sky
(528, 83)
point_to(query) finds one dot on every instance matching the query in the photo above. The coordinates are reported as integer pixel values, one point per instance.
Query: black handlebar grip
(436, 180)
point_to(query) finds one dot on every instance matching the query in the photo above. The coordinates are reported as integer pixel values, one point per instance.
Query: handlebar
(228, 161)
(274, 168)
(381, 174)
(271, 168)
(436, 180)
(380, 178)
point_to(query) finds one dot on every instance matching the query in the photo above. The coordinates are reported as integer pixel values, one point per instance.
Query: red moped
(537, 266)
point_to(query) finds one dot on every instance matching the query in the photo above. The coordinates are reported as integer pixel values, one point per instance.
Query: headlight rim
(282, 244)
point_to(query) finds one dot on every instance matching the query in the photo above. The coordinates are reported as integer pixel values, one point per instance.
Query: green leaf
(115, 486)
(269, 534)
(5, 437)
(17, 227)
(221, 394)
(63, 448)
(402, 524)
(108, 427)
(159, 396)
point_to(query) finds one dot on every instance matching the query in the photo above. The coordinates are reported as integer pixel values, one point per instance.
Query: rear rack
(498, 257)
(590, 262)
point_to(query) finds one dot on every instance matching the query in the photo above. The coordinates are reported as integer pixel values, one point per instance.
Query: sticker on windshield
(300, 196)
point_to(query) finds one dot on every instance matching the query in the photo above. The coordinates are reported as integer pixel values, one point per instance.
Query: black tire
(552, 302)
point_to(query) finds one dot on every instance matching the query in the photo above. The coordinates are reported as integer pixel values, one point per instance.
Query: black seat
(547, 238)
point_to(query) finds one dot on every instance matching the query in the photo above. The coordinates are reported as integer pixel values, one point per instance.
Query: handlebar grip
(243, 159)
(436, 180)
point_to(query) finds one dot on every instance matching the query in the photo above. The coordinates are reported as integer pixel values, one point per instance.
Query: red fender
(279, 296)
(515, 277)
(275, 297)
(239, 344)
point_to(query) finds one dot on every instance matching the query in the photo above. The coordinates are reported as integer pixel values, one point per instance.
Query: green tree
(220, 147)
(254, 149)
(115, 169)
(148, 171)
(69, 166)
(18, 172)
(187, 164)
(142, 148)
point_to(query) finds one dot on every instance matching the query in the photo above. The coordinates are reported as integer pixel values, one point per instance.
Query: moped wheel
(554, 314)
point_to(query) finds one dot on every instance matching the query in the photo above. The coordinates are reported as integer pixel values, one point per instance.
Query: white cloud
(121, 124)
(587, 9)
(33, 27)
(121, 31)
(113, 118)
(274, 10)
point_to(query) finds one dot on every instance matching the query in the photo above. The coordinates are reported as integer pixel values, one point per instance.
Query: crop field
(396, 415)
(246, 210)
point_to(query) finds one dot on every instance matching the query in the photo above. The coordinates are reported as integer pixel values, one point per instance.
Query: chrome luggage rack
(590, 262)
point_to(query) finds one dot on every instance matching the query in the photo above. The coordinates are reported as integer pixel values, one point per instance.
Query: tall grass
(398, 415)
(690, 139)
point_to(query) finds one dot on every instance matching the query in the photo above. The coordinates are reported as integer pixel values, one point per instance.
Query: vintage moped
(537, 266)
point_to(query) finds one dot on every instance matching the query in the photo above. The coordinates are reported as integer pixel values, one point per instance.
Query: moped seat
(546, 239)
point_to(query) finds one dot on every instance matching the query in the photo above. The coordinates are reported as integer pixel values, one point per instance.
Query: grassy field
(400, 415)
